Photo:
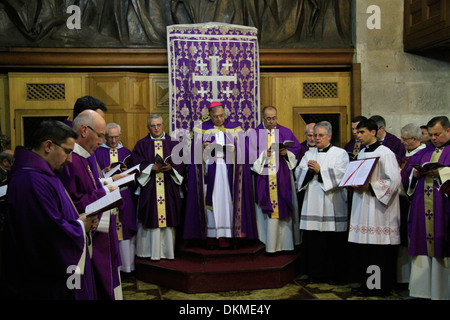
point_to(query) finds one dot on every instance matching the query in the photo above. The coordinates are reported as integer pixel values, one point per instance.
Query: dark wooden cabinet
(427, 28)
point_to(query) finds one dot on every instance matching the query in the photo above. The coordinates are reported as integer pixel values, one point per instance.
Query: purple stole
(273, 191)
(430, 209)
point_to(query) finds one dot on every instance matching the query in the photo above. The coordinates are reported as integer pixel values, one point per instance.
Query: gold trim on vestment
(429, 205)
(273, 185)
(160, 190)
(114, 157)
(216, 130)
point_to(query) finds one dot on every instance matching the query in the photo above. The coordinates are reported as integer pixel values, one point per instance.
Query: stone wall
(403, 88)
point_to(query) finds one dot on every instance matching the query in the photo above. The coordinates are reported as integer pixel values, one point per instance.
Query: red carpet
(196, 270)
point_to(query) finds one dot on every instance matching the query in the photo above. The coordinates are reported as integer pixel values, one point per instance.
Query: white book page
(122, 181)
(3, 190)
(357, 172)
(112, 171)
(135, 168)
(104, 203)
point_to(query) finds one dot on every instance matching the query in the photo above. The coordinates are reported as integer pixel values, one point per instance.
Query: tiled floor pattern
(297, 289)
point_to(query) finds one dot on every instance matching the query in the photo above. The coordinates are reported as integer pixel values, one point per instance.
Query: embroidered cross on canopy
(213, 62)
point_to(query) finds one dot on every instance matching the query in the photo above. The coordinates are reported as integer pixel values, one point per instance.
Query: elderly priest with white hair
(324, 215)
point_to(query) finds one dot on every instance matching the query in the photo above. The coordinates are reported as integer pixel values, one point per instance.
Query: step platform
(196, 269)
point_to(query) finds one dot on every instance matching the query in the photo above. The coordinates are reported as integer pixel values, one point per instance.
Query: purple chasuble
(42, 235)
(420, 215)
(239, 181)
(395, 144)
(127, 212)
(283, 174)
(351, 150)
(144, 154)
(82, 187)
(304, 147)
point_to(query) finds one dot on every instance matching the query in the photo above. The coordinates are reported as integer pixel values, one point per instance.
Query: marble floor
(297, 289)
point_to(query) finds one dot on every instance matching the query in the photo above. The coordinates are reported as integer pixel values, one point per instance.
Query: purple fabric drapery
(213, 62)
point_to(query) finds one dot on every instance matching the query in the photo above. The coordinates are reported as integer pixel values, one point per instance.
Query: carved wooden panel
(127, 97)
(427, 25)
(121, 91)
(159, 93)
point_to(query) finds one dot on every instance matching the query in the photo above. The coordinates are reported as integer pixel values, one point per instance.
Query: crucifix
(215, 78)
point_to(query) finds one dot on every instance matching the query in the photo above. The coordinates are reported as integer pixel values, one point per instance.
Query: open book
(112, 172)
(129, 180)
(108, 202)
(125, 162)
(444, 175)
(159, 159)
(358, 172)
(132, 170)
(427, 166)
(116, 169)
(281, 145)
(3, 190)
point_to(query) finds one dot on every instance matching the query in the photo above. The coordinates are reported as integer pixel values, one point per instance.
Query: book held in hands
(129, 180)
(159, 159)
(427, 166)
(282, 145)
(110, 201)
(358, 172)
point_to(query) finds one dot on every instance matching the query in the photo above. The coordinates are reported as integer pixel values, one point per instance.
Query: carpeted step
(196, 270)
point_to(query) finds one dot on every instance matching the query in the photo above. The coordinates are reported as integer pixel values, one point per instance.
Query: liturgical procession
(204, 151)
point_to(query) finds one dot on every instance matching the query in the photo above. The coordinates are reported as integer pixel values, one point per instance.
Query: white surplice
(376, 219)
(220, 216)
(325, 204)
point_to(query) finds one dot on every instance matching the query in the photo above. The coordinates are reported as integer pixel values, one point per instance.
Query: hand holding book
(358, 173)
(107, 202)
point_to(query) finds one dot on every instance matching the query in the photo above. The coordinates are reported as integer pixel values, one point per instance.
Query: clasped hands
(434, 173)
(161, 167)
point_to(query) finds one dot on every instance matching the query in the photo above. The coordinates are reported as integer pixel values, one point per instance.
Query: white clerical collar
(415, 150)
(163, 136)
(325, 149)
(104, 145)
(81, 151)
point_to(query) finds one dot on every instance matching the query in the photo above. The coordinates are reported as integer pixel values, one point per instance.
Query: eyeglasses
(66, 150)
(271, 118)
(99, 135)
(218, 116)
(157, 125)
(405, 139)
(112, 137)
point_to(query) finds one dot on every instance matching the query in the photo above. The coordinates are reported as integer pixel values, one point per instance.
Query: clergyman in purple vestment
(389, 140)
(276, 197)
(83, 189)
(354, 146)
(429, 217)
(160, 203)
(46, 240)
(110, 152)
(220, 201)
